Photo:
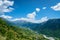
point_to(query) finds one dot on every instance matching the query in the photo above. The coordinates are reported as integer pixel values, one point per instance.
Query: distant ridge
(50, 27)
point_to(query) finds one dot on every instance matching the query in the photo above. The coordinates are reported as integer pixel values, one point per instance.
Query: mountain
(50, 27)
(9, 32)
(24, 24)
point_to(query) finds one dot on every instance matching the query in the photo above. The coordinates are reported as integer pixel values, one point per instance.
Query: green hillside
(8, 32)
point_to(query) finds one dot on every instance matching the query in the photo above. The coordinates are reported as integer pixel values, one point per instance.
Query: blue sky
(23, 8)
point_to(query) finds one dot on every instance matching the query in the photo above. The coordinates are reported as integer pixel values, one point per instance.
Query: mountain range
(50, 27)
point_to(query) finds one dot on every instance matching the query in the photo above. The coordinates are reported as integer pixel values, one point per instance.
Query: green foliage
(8, 32)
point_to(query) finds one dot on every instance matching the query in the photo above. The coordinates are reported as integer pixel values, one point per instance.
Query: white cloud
(8, 10)
(6, 17)
(43, 19)
(24, 19)
(44, 8)
(31, 15)
(1, 3)
(37, 9)
(5, 6)
(56, 7)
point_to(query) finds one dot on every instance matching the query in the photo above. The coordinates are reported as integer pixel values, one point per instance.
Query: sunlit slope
(8, 32)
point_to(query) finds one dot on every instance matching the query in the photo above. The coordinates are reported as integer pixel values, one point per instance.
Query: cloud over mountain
(6, 16)
(31, 17)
